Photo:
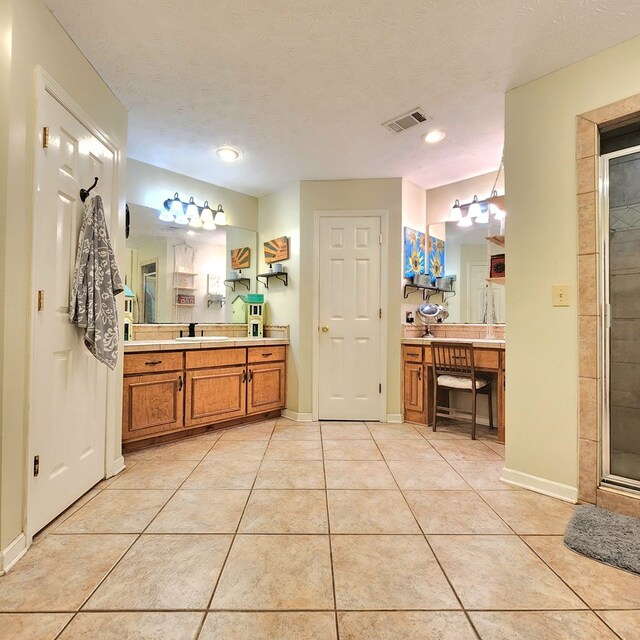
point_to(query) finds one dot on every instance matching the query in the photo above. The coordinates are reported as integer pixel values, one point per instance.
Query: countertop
(133, 346)
(494, 343)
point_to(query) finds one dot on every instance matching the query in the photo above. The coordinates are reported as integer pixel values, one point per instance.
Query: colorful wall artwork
(276, 250)
(435, 258)
(414, 252)
(241, 258)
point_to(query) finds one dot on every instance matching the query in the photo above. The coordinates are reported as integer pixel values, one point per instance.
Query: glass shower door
(621, 227)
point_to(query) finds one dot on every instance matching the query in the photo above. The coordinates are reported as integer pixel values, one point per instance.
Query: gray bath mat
(606, 536)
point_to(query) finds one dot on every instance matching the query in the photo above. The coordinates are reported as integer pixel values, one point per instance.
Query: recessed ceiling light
(434, 136)
(227, 154)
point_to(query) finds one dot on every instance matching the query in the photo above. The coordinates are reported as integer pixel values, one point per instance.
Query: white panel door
(68, 409)
(349, 315)
(477, 292)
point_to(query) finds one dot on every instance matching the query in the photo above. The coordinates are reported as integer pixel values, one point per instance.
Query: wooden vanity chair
(454, 369)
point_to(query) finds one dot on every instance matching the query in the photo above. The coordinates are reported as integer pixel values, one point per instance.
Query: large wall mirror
(466, 258)
(166, 287)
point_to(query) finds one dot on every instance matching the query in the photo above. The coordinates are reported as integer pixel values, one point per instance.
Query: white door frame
(384, 228)
(114, 461)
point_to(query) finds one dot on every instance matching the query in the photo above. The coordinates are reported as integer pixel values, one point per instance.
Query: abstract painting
(241, 258)
(276, 250)
(414, 252)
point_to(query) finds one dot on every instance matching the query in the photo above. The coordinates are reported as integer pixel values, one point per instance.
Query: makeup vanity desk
(418, 401)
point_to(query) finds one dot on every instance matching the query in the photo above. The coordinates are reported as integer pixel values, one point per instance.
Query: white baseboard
(394, 417)
(116, 467)
(298, 417)
(540, 485)
(13, 553)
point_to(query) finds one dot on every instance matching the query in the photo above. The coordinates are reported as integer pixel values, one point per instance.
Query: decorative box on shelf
(184, 280)
(185, 299)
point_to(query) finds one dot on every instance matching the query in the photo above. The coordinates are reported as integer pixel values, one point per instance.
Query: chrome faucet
(192, 329)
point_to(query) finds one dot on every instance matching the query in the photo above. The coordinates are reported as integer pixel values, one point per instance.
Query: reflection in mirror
(177, 274)
(466, 259)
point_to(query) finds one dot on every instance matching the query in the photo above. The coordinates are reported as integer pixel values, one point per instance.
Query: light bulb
(474, 208)
(196, 223)
(435, 136)
(456, 212)
(498, 213)
(192, 209)
(221, 217)
(483, 216)
(465, 221)
(207, 218)
(181, 218)
(176, 207)
(166, 216)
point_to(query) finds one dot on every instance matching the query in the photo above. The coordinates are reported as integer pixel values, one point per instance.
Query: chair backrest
(452, 358)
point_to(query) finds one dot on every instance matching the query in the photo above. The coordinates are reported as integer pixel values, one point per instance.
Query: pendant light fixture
(189, 213)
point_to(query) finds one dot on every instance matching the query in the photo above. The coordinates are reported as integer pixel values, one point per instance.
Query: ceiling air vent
(406, 121)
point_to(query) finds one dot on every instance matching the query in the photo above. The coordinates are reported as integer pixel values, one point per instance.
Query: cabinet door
(414, 396)
(214, 395)
(152, 404)
(266, 387)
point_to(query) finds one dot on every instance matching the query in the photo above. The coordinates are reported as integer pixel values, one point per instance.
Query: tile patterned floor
(307, 531)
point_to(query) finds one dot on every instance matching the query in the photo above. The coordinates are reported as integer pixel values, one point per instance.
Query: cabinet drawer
(412, 354)
(265, 354)
(483, 359)
(152, 362)
(205, 358)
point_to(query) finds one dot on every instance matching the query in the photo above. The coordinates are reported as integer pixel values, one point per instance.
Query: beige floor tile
(625, 623)
(259, 431)
(404, 625)
(358, 474)
(139, 454)
(454, 512)
(294, 450)
(445, 432)
(345, 431)
(223, 474)
(133, 626)
(599, 585)
(393, 432)
(424, 475)
(276, 572)
(373, 511)
(291, 474)
(237, 450)
(189, 449)
(350, 450)
(69, 511)
(164, 572)
(388, 572)
(32, 626)
(201, 511)
(296, 431)
(483, 475)
(213, 436)
(495, 446)
(60, 572)
(290, 625)
(285, 511)
(114, 511)
(500, 572)
(408, 450)
(155, 474)
(464, 450)
(530, 513)
(540, 625)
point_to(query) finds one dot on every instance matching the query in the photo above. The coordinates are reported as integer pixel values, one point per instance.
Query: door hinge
(379, 313)
(380, 388)
(380, 238)
(36, 466)
(45, 137)
(40, 299)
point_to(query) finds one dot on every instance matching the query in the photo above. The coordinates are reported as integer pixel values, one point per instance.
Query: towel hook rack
(84, 193)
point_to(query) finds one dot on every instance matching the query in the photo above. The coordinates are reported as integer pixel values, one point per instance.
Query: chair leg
(435, 405)
(490, 396)
(473, 415)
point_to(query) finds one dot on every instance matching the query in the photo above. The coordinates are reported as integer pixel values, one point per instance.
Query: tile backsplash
(172, 331)
(452, 330)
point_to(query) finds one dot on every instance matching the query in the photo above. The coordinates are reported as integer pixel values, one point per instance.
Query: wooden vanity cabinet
(199, 387)
(414, 385)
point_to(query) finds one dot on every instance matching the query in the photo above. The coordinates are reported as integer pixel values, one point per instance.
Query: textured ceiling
(301, 86)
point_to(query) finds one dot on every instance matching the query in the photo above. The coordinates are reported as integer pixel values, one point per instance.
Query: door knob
(325, 328)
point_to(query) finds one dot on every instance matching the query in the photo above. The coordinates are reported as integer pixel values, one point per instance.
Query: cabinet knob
(325, 328)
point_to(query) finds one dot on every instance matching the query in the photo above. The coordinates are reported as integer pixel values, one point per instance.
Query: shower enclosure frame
(607, 478)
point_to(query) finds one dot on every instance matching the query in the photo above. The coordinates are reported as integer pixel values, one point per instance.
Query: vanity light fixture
(456, 212)
(474, 208)
(465, 221)
(480, 210)
(227, 154)
(435, 136)
(189, 213)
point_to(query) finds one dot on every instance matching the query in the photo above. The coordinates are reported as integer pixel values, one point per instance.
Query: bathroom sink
(204, 339)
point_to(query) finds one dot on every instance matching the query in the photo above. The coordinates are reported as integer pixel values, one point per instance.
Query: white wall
(30, 36)
(414, 215)
(279, 215)
(542, 363)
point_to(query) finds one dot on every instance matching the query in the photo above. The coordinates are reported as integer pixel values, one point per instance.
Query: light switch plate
(560, 295)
